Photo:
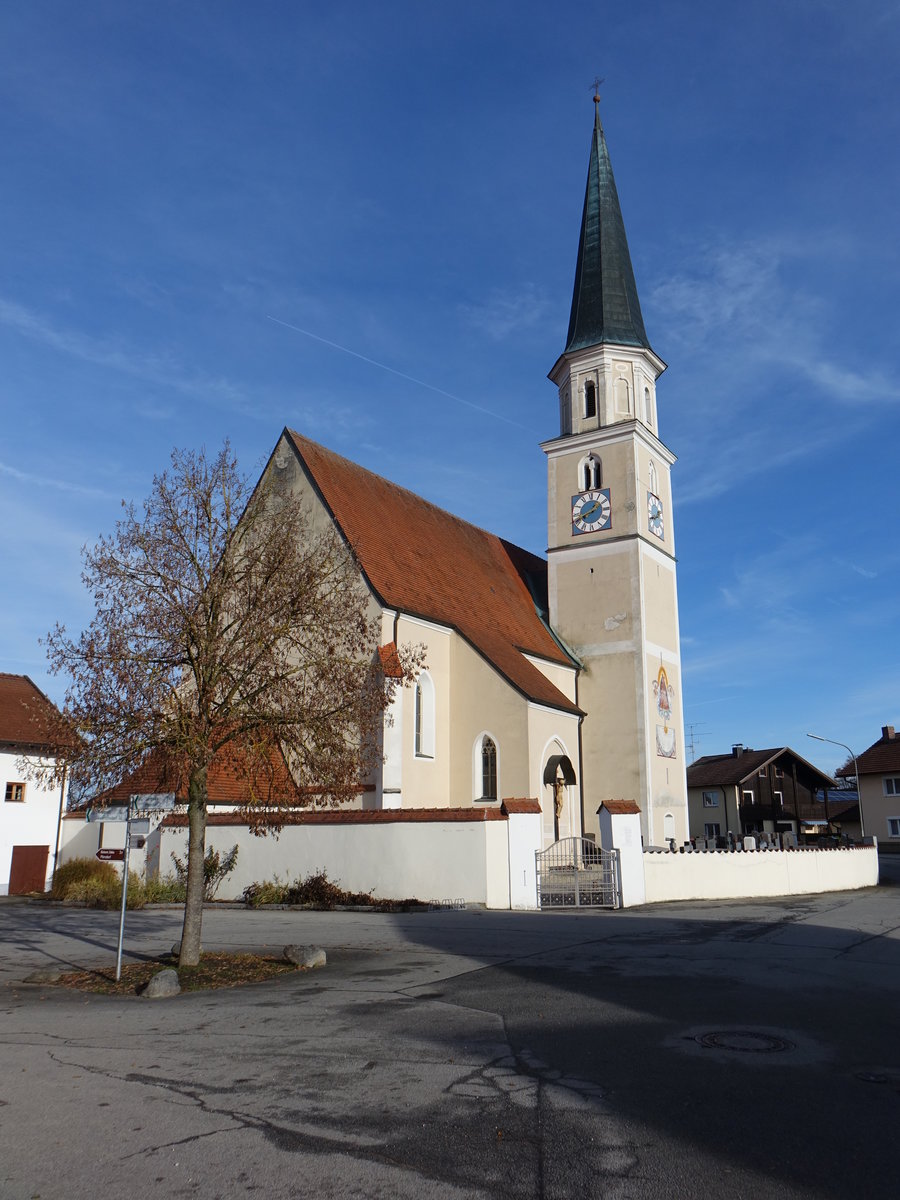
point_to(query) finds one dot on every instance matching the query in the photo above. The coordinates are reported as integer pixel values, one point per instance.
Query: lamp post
(844, 746)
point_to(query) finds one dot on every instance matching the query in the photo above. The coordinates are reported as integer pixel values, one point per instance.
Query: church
(555, 679)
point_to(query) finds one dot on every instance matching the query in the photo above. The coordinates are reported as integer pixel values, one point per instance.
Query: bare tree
(226, 628)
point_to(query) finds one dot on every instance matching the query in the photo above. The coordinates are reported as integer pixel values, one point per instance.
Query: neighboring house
(758, 791)
(32, 801)
(879, 788)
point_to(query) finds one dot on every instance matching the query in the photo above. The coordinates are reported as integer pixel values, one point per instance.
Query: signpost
(109, 854)
(150, 802)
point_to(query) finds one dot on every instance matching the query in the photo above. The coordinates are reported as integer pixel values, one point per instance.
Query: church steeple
(610, 537)
(605, 305)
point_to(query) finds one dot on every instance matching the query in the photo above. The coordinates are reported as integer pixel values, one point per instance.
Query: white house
(33, 800)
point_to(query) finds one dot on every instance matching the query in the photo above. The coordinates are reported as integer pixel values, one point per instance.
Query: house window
(488, 769)
(746, 797)
(892, 785)
(590, 399)
(893, 827)
(779, 774)
(778, 799)
(15, 793)
(761, 772)
(711, 829)
(710, 799)
(424, 716)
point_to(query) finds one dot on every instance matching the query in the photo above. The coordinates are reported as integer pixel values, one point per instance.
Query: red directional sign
(111, 855)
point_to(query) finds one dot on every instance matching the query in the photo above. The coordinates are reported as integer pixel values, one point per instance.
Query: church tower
(611, 548)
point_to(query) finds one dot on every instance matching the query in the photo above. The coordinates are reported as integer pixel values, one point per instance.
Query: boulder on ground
(164, 983)
(305, 956)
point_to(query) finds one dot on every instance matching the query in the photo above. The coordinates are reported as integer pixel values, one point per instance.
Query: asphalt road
(708, 1050)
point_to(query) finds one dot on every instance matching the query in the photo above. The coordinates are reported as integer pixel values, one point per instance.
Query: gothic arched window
(424, 735)
(488, 768)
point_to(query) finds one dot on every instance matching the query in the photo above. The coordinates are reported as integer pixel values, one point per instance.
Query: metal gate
(576, 873)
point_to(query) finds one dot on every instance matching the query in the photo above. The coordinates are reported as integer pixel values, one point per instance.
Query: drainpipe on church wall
(580, 759)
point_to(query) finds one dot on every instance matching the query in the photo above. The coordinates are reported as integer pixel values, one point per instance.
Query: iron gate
(576, 873)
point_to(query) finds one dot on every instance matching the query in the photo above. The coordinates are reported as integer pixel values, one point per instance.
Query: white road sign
(154, 802)
(113, 813)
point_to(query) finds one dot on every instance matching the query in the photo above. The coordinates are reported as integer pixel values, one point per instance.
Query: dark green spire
(605, 305)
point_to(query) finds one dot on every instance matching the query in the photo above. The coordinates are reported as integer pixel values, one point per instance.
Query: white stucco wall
(393, 860)
(720, 875)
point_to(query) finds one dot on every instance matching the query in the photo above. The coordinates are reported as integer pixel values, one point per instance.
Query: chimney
(887, 733)
(737, 750)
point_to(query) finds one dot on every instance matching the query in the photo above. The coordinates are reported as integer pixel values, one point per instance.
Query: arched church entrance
(556, 800)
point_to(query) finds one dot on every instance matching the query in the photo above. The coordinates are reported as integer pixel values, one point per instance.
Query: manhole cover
(744, 1041)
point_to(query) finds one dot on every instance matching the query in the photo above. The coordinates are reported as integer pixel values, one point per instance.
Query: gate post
(620, 830)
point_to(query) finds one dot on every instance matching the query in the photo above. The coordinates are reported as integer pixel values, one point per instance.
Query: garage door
(28, 869)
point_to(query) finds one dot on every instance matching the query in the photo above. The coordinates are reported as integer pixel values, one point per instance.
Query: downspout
(62, 797)
(580, 757)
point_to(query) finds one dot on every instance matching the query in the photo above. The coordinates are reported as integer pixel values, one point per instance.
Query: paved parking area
(709, 1050)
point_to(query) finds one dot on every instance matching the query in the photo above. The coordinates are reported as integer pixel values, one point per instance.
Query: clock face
(591, 511)
(655, 515)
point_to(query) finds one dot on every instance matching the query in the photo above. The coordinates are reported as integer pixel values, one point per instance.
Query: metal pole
(844, 746)
(124, 896)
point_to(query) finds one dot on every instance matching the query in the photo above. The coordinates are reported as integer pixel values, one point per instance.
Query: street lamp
(844, 746)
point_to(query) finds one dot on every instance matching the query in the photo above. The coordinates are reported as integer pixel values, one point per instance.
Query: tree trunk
(193, 901)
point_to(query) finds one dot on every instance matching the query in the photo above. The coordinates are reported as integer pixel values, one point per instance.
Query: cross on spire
(596, 86)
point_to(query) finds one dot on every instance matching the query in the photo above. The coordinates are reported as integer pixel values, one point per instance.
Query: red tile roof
(27, 717)
(525, 804)
(357, 816)
(620, 807)
(226, 781)
(390, 661)
(881, 756)
(421, 560)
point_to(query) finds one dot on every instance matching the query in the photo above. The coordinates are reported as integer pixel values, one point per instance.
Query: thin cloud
(506, 312)
(160, 370)
(735, 298)
(727, 461)
(51, 481)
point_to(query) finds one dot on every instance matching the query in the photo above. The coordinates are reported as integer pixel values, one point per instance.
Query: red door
(28, 869)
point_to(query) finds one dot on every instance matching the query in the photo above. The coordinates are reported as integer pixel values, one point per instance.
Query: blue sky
(186, 187)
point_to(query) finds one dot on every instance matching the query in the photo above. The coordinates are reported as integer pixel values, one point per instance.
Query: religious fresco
(665, 733)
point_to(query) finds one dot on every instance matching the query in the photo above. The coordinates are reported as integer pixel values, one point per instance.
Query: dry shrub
(77, 871)
(316, 890)
(107, 893)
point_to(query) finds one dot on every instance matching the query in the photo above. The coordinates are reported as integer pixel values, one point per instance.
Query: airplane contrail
(409, 378)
